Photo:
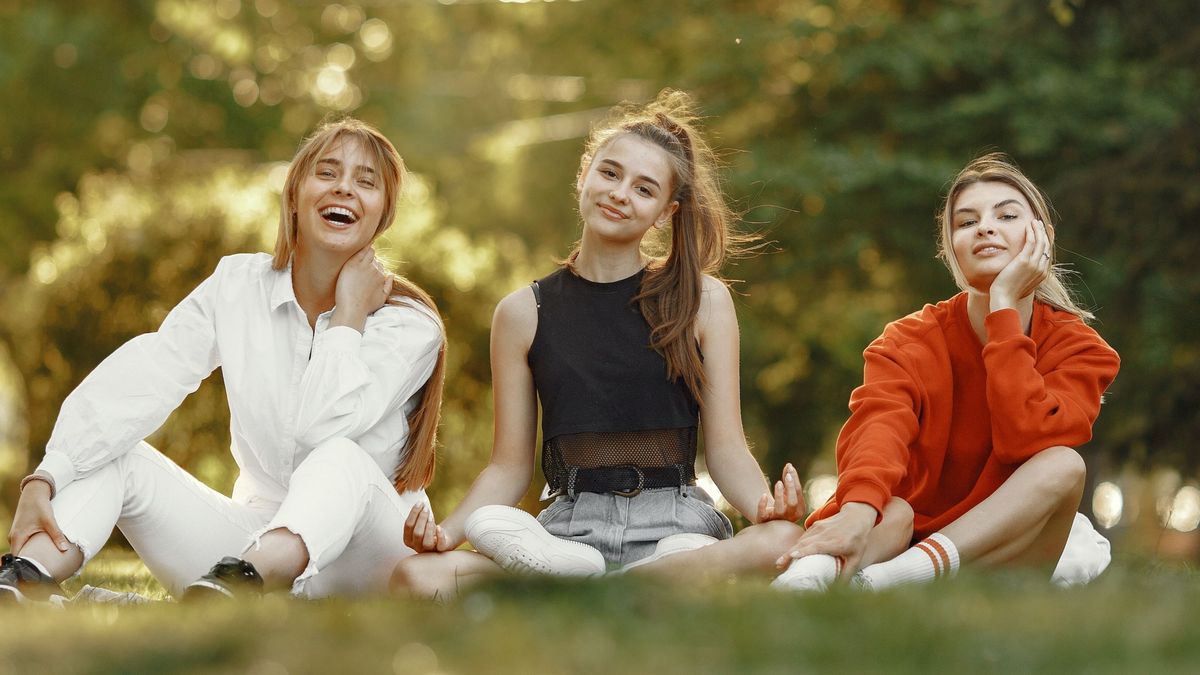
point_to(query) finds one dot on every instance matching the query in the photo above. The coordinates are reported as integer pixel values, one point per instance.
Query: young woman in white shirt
(333, 369)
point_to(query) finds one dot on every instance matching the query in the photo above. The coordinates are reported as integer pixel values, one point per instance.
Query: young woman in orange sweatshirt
(971, 410)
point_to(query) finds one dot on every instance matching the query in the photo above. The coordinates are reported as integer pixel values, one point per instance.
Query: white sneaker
(676, 543)
(517, 542)
(810, 573)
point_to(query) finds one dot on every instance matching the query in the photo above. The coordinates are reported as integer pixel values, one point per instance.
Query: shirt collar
(282, 291)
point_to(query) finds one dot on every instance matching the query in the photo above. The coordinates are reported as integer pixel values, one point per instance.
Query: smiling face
(988, 220)
(626, 189)
(340, 201)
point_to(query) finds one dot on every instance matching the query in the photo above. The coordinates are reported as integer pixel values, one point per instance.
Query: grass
(1139, 617)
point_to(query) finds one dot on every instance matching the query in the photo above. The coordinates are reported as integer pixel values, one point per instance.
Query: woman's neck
(604, 263)
(315, 283)
(979, 306)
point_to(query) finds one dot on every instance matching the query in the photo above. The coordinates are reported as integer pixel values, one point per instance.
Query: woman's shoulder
(928, 322)
(1056, 329)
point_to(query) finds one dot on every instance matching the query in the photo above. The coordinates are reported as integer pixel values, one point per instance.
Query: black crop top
(606, 400)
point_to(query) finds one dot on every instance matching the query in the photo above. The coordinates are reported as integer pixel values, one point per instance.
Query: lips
(338, 216)
(987, 249)
(612, 213)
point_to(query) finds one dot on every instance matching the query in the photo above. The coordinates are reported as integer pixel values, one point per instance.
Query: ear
(667, 214)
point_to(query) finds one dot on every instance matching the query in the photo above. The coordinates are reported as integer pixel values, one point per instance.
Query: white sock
(932, 558)
(810, 573)
(40, 567)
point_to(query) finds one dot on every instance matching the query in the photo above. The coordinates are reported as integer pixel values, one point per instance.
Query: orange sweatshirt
(941, 420)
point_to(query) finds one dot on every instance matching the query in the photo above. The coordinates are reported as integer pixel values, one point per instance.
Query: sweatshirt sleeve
(1042, 400)
(131, 393)
(354, 380)
(873, 446)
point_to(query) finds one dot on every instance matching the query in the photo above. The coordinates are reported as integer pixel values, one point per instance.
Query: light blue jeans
(626, 529)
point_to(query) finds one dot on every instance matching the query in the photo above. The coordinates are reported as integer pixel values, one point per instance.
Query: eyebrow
(338, 163)
(644, 177)
(1006, 202)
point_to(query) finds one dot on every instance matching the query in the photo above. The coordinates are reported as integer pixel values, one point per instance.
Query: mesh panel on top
(645, 449)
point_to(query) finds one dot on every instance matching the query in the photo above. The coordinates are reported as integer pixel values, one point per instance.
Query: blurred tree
(843, 119)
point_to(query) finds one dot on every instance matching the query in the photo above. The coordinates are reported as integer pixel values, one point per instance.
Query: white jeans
(339, 502)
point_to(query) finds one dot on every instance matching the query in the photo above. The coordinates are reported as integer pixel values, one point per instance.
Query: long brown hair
(700, 234)
(419, 451)
(996, 167)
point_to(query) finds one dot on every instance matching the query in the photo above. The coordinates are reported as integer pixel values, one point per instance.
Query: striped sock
(931, 558)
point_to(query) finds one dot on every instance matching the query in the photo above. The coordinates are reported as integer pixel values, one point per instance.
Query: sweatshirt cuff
(59, 467)
(1003, 323)
(868, 494)
(340, 339)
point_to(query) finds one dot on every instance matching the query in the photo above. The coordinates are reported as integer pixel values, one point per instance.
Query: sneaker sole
(676, 543)
(517, 542)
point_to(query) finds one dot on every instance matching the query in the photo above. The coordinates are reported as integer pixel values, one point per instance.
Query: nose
(985, 227)
(618, 195)
(344, 185)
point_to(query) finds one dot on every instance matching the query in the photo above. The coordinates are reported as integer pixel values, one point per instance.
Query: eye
(325, 173)
(1008, 216)
(609, 173)
(366, 182)
(966, 223)
(645, 191)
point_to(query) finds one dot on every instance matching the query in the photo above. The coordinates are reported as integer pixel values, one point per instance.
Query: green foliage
(842, 123)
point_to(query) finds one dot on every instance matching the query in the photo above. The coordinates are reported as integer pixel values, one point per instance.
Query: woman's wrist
(35, 482)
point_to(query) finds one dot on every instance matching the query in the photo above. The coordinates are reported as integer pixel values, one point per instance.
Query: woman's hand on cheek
(1025, 272)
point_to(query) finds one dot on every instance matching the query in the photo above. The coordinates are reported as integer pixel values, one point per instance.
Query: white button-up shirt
(290, 387)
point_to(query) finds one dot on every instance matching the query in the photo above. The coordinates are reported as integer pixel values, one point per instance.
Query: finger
(763, 505)
(792, 491)
(443, 540)
(56, 536)
(412, 517)
(429, 541)
(780, 499)
(1046, 249)
(17, 541)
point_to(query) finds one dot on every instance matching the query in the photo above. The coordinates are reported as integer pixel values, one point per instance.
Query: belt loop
(572, 472)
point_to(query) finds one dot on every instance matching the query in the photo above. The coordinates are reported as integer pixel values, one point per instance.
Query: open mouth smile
(338, 216)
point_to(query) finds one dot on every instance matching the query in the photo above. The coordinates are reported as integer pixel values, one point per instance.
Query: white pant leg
(179, 526)
(1085, 556)
(350, 518)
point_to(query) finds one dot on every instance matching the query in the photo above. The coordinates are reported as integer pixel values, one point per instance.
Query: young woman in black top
(627, 353)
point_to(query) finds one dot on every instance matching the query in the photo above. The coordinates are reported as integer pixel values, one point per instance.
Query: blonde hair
(420, 447)
(701, 235)
(996, 167)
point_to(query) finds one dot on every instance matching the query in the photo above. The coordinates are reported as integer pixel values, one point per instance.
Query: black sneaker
(230, 578)
(20, 581)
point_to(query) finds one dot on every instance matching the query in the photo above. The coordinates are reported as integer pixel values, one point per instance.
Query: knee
(774, 538)
(1062, 471)
(414, 577)
(338, 452)
(898, 518)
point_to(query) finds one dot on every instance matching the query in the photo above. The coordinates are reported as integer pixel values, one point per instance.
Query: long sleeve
(1042, 400)
(353, 380)
(873, 446)
(131, 393)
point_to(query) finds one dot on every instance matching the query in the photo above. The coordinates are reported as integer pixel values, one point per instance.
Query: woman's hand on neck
(982, 303)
